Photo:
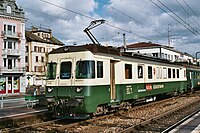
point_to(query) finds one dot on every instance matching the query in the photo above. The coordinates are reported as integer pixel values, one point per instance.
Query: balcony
(11, 34)
(13, 70)
(10, 52)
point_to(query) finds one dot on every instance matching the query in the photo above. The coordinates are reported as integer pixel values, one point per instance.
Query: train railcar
(193, 77)
(93, 79)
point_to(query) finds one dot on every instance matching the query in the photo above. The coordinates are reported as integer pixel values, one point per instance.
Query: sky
(173, 23)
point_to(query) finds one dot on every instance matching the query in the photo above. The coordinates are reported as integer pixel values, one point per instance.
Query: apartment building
(160, 51)
(39, 42)
(12, 48)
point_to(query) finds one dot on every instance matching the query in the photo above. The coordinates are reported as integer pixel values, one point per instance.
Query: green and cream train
(93, 79)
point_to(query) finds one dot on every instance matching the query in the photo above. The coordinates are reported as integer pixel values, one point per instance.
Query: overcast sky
(140, 20)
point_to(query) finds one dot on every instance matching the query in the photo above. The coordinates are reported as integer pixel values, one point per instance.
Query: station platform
(17, 105)
(14, 112)
(192, 125)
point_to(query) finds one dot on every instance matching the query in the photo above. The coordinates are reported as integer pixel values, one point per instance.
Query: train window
(51, 70)
(157, 72)
(169, 73)
(85, 69)
(173, 72)
(140, 72)
(128, 71)
(150, 75)
(65, 70)
(177, 73)
(99, 69)
(164, 73)
(160, 72)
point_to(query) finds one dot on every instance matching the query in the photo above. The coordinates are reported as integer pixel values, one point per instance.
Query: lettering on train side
(158, 86)
(129, 90)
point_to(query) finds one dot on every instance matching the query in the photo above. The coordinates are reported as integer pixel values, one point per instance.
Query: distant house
(160, 51)
(12, 48)
(39, 42)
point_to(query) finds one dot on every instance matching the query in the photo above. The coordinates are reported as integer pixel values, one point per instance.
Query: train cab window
(150, 75)
(169, 73)
(140, 72)
(65, 70)
(173, 72)
(85, 69)
(128, 71)
(99, 69)
(51, 70)
(177, 73)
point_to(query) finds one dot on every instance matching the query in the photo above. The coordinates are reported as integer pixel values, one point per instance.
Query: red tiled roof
(31, 37)
(143, 44)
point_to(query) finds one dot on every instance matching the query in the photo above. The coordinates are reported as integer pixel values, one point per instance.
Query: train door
(112, 80)
(65, 72)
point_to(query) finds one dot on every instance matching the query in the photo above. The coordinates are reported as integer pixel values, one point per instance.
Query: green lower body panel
(69, 100)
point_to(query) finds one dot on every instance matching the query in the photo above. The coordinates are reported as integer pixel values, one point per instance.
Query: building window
(13, 28)
(26, 48)
(42, 59)
(14, 62)
(35, 48)
(9, 64)
(128, 71)
(155, 54)
(9, 45)
(4, 27)
(14, 45)
(9, 28)
(36, 58)
(5, 44)
(165, 56)
(162, 55)
(99, 69)
(150, 75)
(26, 59)
(8, 9)
(140, 72)
(4, 62)
(169, 57)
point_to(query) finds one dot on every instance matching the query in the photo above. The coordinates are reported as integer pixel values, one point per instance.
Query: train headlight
(49, 89)
(79, 89)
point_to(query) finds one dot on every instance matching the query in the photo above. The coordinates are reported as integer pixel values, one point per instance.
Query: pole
(124, 40)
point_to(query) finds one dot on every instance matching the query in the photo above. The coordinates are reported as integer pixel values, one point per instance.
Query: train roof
(94, 48)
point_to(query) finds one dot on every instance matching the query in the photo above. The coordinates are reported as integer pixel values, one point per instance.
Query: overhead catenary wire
(132, 18)
(180, 22)
(178, 17)
(191, 9)
(113, 26)
(187, 12)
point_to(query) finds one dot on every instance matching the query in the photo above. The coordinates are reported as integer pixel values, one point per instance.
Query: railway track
(134, 120)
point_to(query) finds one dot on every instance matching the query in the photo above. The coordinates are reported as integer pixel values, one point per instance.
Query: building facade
(160, 51)
(12, 48)
(39, 42)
